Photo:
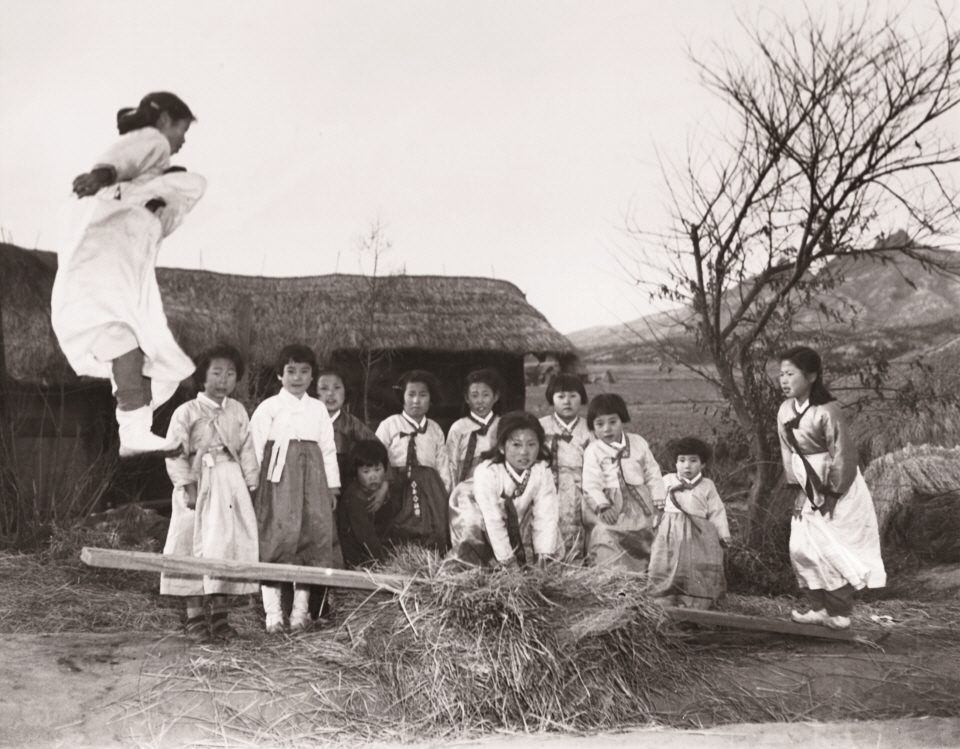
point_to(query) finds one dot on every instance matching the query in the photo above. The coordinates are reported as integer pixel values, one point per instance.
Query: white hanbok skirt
(105, 299)
(223, 526)
(830, 552)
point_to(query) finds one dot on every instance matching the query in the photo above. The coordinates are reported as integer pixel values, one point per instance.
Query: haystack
(916, 491)
(456, 654)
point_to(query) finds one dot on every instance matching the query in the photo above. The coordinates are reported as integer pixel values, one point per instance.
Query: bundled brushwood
(561, 646)
(917, 495)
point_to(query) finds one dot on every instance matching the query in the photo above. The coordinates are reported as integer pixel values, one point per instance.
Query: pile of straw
(917, 495)
(452, 655)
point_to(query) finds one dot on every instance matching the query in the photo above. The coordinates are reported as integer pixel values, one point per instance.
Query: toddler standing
(212, 514)
(299, 482)
(567, 438)
(686, 561)
(621, 487)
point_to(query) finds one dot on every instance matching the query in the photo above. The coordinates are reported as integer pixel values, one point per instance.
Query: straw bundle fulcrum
(456, 654)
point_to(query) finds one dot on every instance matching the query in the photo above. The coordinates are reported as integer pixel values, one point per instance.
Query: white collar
(333, 416)
(411, 422)
(293, 402)
(801, 407)
(517, 478)
(617, 445)
(480, 420)
(688, 482)
(563, 425)
(208, 401)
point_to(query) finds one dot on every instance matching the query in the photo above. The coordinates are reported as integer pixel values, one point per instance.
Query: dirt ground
(85, 690)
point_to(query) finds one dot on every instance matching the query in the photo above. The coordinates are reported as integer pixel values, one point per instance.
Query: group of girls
(508, 490)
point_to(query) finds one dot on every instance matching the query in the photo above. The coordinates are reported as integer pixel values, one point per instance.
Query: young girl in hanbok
(477, 432)
(106, 308)
(347, 431)
(212, 513)
(420, 482)
(567, 439)
(511, 515)
(686, 561)
(834, 539)
(299, 483)
(622, 487)
(361, 516)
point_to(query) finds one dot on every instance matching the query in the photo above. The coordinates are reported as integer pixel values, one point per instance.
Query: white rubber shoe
(136, 437)
(810, 617)
(300, 615)
(837, 622)
(273, 608)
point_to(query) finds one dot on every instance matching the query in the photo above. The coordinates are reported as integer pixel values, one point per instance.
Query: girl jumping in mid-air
(106, 308)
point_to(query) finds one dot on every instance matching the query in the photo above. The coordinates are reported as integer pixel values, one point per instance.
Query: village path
(80, 691)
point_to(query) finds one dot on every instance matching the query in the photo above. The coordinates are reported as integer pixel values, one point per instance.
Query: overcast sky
(505, 138)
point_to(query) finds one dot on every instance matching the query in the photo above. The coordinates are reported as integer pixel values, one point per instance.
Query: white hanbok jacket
(105, 299)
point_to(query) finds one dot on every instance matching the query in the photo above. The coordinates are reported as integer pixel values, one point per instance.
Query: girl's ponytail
(150, 109)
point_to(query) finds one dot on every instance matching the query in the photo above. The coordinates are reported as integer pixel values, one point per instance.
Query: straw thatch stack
(258, 314)
(536, 650)
(916, 491)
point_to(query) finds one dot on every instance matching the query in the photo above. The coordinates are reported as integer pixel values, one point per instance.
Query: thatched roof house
(336, 314)
(447, 325)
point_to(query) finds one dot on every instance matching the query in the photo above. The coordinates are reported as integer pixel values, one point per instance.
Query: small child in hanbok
(105, 306)
(420, 482)
(511, 516)
(299, 482)
(361, 516)
(212, 513)
(477, 432)
(686, 561)
(567, 438)
(622, 487)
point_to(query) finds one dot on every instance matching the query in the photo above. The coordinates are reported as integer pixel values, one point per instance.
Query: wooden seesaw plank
(757, 623)
(256, 571)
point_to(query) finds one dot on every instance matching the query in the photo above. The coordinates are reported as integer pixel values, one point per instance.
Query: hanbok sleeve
(137, 153)
(443, 460)
(179, 468)
(840, 445)
(786, 451)
(486, 492)
(716, 512)
(652, 477)
(328, 448)
(455, 449)
(546, 514)
(593, 479)
(249, 463)
(260, 429)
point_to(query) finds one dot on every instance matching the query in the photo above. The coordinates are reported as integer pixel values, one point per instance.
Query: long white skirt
(105, 299)
(223, 526)
(830, 552)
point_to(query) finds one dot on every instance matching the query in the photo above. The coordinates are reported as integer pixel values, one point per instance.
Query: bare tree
(371, 248)
(834, 139)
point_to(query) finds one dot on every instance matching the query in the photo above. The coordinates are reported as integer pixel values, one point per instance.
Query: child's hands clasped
(608, 514)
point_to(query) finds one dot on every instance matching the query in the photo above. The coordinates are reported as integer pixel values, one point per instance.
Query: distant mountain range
(890, 307)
